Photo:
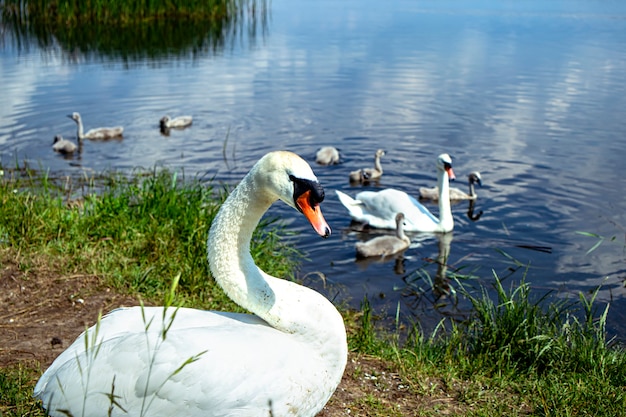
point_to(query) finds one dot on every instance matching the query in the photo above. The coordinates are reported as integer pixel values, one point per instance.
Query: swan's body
(455, 193)
(180, 122)
(327, 155)
(378, 209)
(385, 245)
(369, 174)
(286, 359)
(97, 133)
(63, 146)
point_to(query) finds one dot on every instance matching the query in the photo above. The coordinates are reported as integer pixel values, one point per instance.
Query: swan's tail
(355, 207)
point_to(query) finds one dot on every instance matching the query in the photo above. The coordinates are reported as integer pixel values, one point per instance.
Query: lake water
(531, 94)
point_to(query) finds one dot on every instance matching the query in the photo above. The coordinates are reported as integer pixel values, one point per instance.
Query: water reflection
(135, 43)
(425, 292)
(473, 216)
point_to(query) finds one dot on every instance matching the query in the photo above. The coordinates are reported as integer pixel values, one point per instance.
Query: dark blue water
(532, 94)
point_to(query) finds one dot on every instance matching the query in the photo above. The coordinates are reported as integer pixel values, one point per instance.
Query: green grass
(136, 232)
(549, 355)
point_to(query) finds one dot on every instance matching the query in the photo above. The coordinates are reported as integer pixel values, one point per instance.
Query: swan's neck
(472, 192)
(284, 305)
(400, 231)
(377, 164)
(79, 129)
(446, 221)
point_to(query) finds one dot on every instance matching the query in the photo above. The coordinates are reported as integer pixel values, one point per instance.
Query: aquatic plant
(129, 35)
(118, 11)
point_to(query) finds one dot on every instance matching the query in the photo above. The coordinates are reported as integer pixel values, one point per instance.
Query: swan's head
(57, 138)
(74, 116)
(380, 153)
(474, 178)
(164, 120)
(286, 176)
(444, 163)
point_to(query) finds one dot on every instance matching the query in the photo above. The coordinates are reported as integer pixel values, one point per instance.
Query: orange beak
(313, 215)
(451, 175)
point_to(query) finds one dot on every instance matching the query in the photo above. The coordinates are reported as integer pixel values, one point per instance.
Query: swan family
(66, 147)
(285, 359)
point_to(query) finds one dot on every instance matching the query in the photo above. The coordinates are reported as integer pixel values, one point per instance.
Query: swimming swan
(180, 122)
(327, 155)
(285, 359)
(385, 245)
(378, 209)
(63, 146)
(369, 174)
(98, 133)
(455, 193)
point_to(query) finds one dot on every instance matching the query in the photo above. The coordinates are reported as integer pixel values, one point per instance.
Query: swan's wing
(429, 193)
(104, 132)
(205, 370)
(380, 246)
(355, 207)
(422, 209)
(379, 209)
(363, 211)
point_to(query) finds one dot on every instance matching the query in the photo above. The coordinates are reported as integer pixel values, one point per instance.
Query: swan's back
(179, 122)
(105, 133)
(385, 245)
(380, 246)
(97, 133)
(327, 155)
(238, 345)
(63, 146)
(382, 206)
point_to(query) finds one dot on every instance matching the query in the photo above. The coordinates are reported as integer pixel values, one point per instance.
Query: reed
(133, 39)
(119, 11)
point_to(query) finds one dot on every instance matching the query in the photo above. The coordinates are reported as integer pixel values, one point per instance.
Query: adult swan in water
(285, 359)
(378, 209)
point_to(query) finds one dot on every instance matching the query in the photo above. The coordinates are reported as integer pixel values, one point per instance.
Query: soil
(42, 312)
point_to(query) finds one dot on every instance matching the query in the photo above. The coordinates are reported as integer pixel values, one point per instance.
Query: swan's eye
(447, 165)
(313, 189)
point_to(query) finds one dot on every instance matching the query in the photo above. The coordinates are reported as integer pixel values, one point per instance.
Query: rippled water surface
(532, 94)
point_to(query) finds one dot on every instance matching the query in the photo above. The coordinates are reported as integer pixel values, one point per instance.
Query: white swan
(378, 209)
(455, 193)
(179, 122)
(369, 174)
(327, 155)
(97, 133)
(63, 146)
(385, 245)
(286, 359)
